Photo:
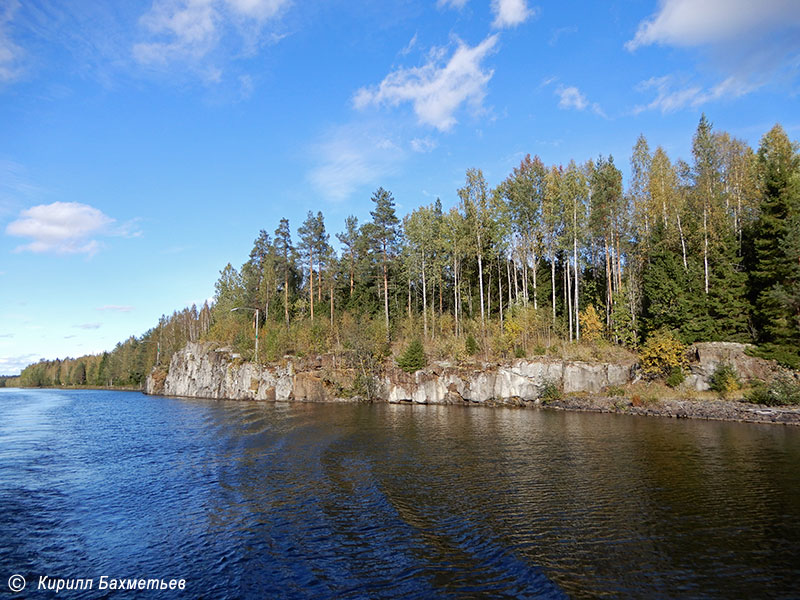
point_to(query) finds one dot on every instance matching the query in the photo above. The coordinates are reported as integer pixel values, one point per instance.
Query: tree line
(707, 249)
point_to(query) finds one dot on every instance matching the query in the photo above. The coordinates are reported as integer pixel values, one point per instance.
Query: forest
(558, 260)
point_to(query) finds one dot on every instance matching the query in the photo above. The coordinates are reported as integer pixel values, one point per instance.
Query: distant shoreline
(76, 387)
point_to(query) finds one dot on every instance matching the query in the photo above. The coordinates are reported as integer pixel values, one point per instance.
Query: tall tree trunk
(609, 292)
(286, 295)
(311, 282)
(386, 290)
(569, 298)
(352, 272)
(553, 281)
(480, 286)
(408, 309)
(705, 247)
(455, 293)
(535, 299)
(508, 275)
(424, 302)
(683, 243)
(575, 265)
(500, 290)
(525, 280)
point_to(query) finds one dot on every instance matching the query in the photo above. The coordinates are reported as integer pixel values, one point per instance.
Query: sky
(143, 145)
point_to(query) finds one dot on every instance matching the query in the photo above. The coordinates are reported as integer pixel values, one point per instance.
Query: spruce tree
(776, 248)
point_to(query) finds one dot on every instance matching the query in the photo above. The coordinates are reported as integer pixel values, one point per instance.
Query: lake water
(253, 500)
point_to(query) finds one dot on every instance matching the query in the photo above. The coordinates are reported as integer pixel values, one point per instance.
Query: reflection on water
(249, 500)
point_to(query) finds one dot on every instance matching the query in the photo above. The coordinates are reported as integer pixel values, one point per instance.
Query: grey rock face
(709, 355)
(202, 370)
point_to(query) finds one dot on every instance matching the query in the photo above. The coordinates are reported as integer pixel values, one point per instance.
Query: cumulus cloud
(510, 13)
(190, 29)
(61, 227)
(570, 97)
(439, 88)
(692, 23)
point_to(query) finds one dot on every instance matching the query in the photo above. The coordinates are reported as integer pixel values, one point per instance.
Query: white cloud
(572, 97)
(423, 145)
(115, 308)
(436, 89)
(61, 227)
(510, 13)
(88, 326)
(693, 23)
(10, 53)
(352, 156)
(457, 4)
(751, 44)
(12, 365)
(191, 29)
(672, 95)
(410, 46)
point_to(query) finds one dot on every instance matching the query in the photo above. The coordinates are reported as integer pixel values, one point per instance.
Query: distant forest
(552, 260)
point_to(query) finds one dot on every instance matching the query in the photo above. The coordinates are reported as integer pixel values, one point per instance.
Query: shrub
(471, 346)
(591, 325)
(783, 391)
(724, 380)
(675, 377)
(549, 392)
(413, 359)
(615, 390)
(539, 350)
(519, 352)
(661, 353)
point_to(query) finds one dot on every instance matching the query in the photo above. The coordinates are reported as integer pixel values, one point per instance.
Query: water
(250, 500)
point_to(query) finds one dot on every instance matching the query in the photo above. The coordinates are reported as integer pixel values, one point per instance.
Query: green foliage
(639, 253)
(675, 377)
(471, 345)
(615, 390)
(661, 353)
(549, 391)
(783, 391)
(724, 380)
(413, 359)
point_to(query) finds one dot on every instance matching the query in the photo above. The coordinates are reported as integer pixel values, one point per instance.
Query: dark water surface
(252, 500)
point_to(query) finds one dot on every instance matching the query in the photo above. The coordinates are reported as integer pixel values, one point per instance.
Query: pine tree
(284, 250)
(385, 232)
(349, 241)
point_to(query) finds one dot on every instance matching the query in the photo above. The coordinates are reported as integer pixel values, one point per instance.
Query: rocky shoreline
(710, 410)
(203, 370)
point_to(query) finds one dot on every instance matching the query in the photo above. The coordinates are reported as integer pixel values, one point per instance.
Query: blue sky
(144, 144)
